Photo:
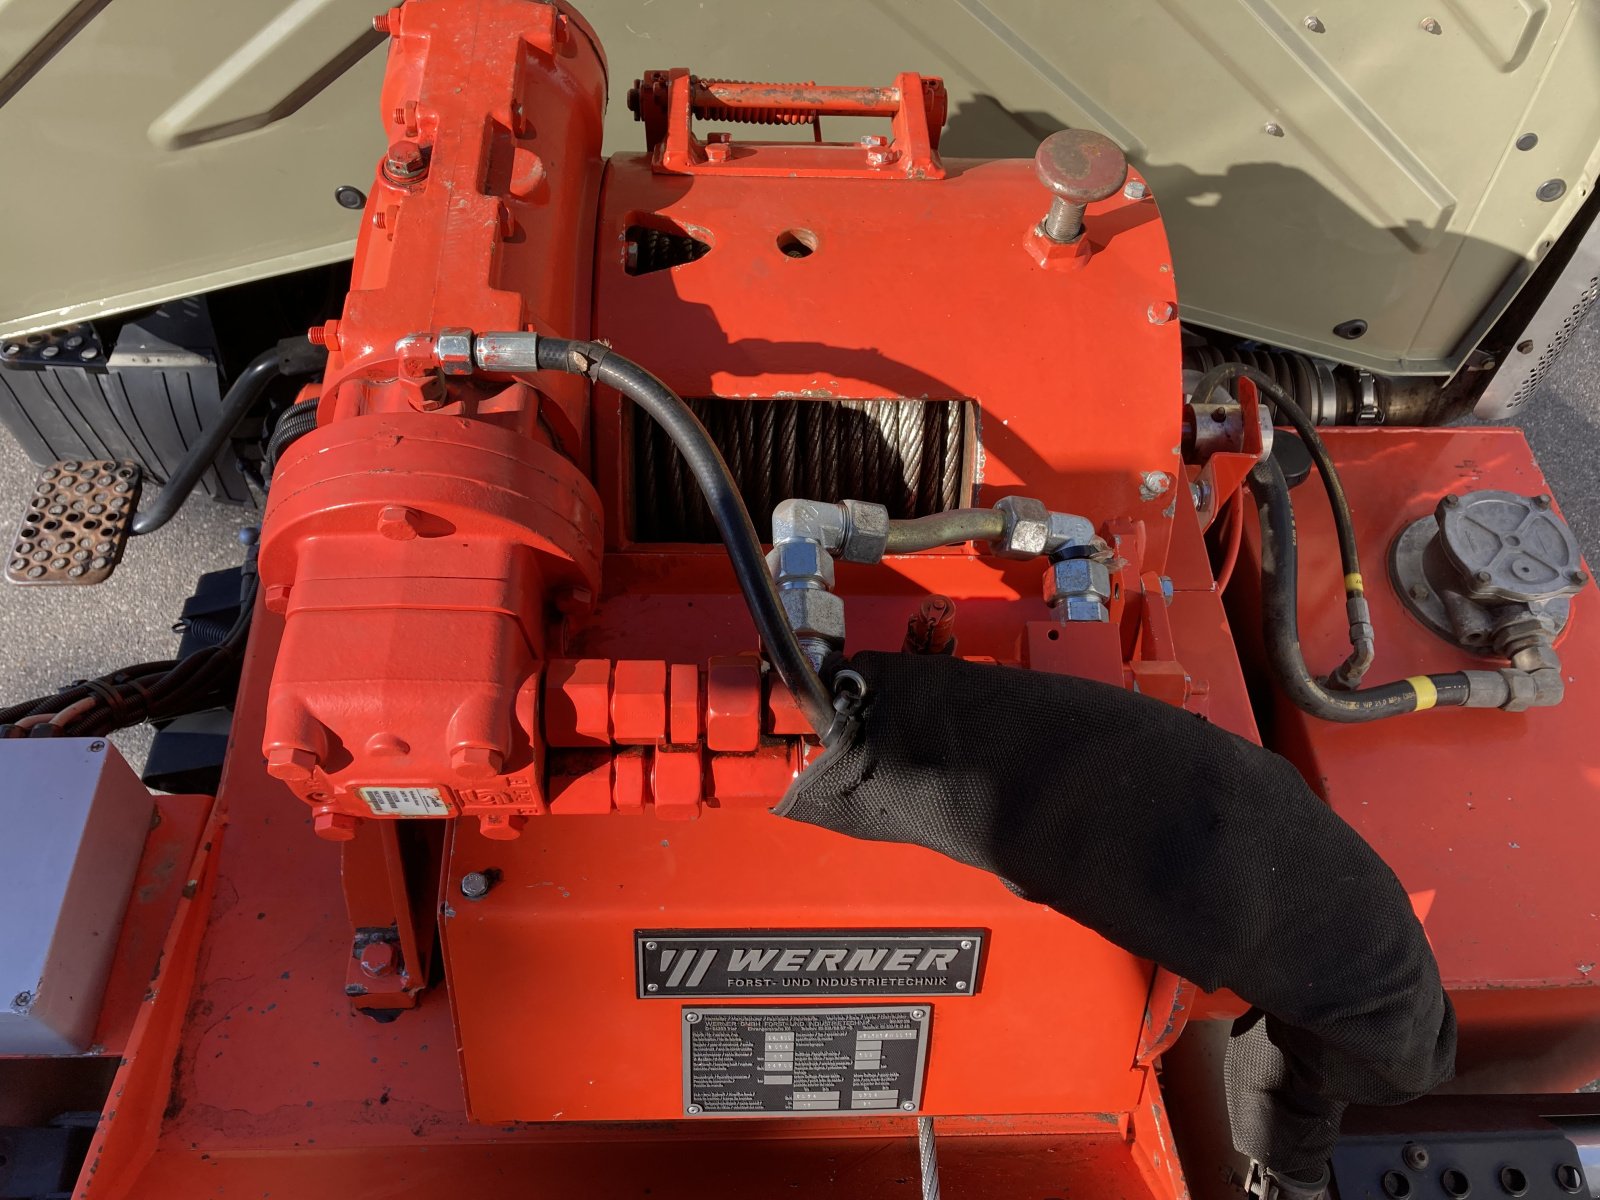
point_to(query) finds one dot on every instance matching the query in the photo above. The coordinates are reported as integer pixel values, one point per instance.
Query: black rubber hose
(1347, 676)
(945, 529)
(1280, 618)
(601, 364)
(1294, 415)
(289, 357)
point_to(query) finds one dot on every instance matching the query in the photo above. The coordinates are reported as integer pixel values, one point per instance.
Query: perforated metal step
(76, 523)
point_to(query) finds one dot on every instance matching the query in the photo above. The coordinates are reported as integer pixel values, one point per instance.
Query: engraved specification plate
(804, 1060)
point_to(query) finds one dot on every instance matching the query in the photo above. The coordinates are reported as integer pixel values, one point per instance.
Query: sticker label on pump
(804, 1061)
(404, 801)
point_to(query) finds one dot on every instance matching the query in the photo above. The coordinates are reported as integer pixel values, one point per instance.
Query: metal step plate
(76, 523)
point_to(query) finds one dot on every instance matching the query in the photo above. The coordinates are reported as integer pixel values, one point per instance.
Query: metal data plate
(76, 523)
(804, 1060)
(674, 963)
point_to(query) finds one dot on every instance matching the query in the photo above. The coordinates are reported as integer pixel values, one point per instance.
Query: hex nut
(1067, 529)
(1077, 577)
(800, 562)
(814, 613)
(452, 350)
(1027, 527)
(1082, 608)
(866, 532)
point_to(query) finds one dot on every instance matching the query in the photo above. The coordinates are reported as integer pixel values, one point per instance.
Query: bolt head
(1429, 25)
(334, 827)
(1153, 484)
(1080, 165)
(476, 762)
(405, 162)
(1137, 189)
(378, 958)
(1272, 129)
(1414, 1156)
(718, 152)
(475, 885)
(693, 1110)
(291, 763)
(882, 156)
(1315, 25)
(909, 1106)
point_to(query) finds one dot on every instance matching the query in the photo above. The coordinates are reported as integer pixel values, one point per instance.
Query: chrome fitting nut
(815, 614)
(866, 531)
(452, 350)
(1082, 608)
(1027, 527)
(1067, 530)
(810, 520)
(1074, 577)
(800, 563)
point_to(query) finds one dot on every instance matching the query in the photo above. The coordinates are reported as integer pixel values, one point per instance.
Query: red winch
(767, 489)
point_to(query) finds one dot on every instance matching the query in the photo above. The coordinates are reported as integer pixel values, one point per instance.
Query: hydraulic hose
(601, 364)
(1348, 675)
(1281, 627)
(296, 421)
(945, 529)
(292, 356)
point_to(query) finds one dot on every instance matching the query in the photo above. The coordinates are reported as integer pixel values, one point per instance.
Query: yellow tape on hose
(1427, 694)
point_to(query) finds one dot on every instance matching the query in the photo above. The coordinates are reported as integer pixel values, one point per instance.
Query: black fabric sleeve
(1179, 842)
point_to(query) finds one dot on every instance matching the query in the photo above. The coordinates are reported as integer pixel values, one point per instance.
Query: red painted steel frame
(249, 1074)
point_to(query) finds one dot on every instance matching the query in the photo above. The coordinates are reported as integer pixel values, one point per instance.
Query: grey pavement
(57, 635)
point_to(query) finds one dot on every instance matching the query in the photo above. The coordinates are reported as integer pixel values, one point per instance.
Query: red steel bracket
(667, 102)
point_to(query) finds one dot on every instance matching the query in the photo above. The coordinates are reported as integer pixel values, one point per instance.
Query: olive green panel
(168, 147)
(1317, 164)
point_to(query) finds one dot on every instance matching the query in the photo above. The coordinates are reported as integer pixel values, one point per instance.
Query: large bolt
(1079, 166)
(405, 162)
(378, 958)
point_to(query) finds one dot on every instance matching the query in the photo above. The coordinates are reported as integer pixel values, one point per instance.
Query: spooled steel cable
(601, 364)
